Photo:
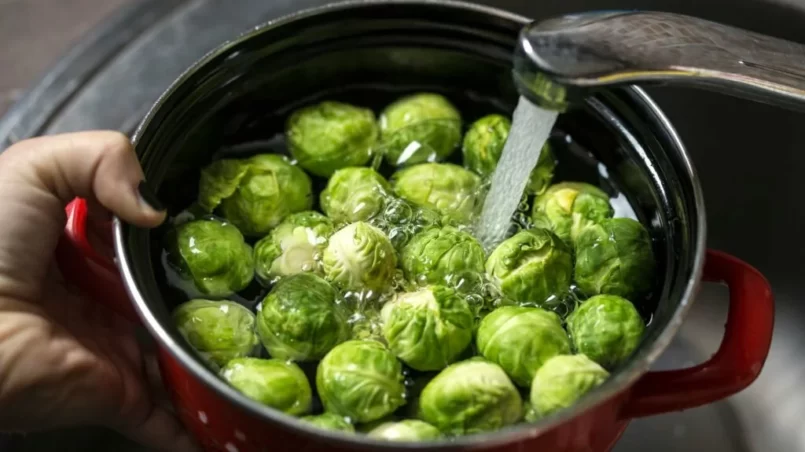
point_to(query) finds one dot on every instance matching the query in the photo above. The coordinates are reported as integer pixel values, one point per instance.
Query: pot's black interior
(238, 101)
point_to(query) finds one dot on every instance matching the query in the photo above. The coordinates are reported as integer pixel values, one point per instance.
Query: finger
(39, 177)
(98, 165)
(161, 431)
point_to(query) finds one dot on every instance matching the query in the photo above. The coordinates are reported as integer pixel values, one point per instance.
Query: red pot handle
(96, 275)
(739, 359)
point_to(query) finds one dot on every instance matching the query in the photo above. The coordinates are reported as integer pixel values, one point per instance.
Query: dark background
(749, 156)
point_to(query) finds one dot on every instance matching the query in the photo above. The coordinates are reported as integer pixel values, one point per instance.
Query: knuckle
(116, 143)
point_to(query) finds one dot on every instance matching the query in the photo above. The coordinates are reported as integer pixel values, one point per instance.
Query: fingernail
(148, 196)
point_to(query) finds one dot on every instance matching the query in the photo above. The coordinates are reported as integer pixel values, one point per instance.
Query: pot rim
(618, 384)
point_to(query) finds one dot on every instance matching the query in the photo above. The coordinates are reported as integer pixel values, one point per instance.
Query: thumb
(38, 177)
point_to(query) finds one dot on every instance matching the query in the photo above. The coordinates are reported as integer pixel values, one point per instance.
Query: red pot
(240, 89)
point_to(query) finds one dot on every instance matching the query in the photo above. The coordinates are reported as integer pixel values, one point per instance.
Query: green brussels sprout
(561, 381)
(489, 304)
(272, 382)
(255, 194)
(449, 189)
(362, 380)
(212, 255)
(567, 208)
(331, 135)
(521, 340)
(542, 174)
(299, 319)
(419, 128)
(606, 328)
(360, 256)
(615, 257)
(483, 145)
(294, 246)
(531, 266)
(330, 421)
(428, 329)
(218, 330)
(438, 254)
(470, 396)
(405, 430)
(354, 194)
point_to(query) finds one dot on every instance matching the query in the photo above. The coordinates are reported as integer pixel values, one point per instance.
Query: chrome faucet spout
(560, 60)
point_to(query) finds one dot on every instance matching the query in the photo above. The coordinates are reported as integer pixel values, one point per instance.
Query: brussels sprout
(490, 304)
(362, 380)
(358, 257)
(532, 266)
(218, 330)
(606, 328)
(567, 208)
(330, 421)
(212, 255)
(521, 340)
(331, 135)
(428, 329)
(423, 127)
(483, 145)
(561, 381)
(542, 174)
(450, 190)
(615, 257)
(295, 246)
(299, 319)
(438, 255)
(255, 194)
(354, 194)
(405, 430)
(470, 396)
(272, 382)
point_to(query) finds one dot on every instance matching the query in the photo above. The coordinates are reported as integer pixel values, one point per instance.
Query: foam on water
(531, 127)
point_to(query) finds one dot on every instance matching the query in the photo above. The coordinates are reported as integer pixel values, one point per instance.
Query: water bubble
(562, 304)
(398, 212)
(399, 237)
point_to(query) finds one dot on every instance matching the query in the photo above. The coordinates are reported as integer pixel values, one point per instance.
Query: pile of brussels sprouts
(383, 314)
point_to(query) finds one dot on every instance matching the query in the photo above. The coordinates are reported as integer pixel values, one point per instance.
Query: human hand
(65, 360)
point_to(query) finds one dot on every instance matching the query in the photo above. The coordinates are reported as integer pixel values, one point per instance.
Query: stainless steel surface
(749, 157)
(598, 49)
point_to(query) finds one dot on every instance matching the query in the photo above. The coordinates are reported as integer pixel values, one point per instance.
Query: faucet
(562, 60)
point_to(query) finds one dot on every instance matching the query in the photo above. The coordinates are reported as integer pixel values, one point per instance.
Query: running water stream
(531, 127)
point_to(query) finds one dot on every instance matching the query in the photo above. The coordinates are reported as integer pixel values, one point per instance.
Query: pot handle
(97, 276)
(739, 359)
